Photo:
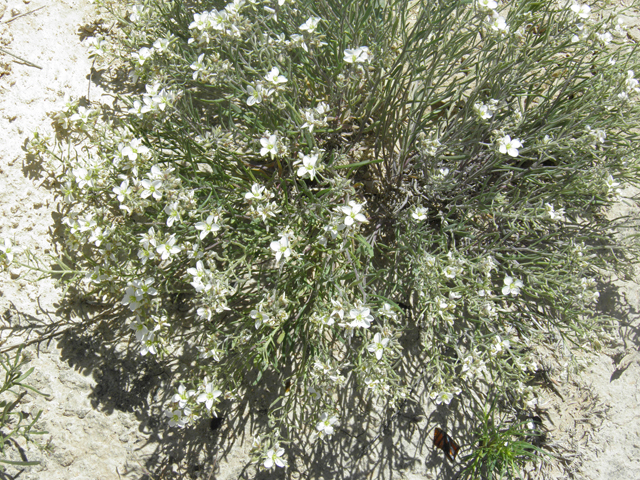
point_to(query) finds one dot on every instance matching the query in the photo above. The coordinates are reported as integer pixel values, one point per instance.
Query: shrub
(302, 190)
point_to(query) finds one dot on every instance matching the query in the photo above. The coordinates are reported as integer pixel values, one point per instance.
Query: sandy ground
(101, 415)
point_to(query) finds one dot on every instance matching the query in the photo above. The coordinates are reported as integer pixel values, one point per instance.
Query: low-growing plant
(503, 447)
(307, 190)
(12, 390)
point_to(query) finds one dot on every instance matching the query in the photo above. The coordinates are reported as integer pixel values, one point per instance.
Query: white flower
(274, 457)
(122, 191)
(143, 55)
(208, 396)
(211, 225)
(612, 185)
(325, 425)
(507, 145)
(444, 397)
(258, 192)
(511, 286)
(183, 396)
(144, 287)
(151, 188)
(168, 248)
(315, 117)
(260, 317)
(134, 149)
(130, 298)
(360, 317)
(83, 116)
(499, 345)
(281, 248)
(552, 212)
(269, 145)
(310, 25)
(631, 84)
(450, 271)
(388, 311)
(148, 344)
(583, 11)
(83, 177)
(604, 38)
(486, 5)
(352, 212)
(419, 213)
(198, 273)
(257, 93)
(140, 329)
(499, 24)
(198, 66)
(8, 250)
(161, 44)
(358, 55)
(485, 111)
(378, 345)
(173, 213)
(137, 11)
(308, 166)
(274, 77)
(176, 418)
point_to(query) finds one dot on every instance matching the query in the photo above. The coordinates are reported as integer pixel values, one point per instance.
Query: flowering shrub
(304, 188)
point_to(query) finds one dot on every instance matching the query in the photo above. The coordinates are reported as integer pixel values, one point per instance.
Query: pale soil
(102, 414)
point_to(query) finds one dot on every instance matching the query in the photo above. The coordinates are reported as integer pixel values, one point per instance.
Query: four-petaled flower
(260, 317)
(631, 83)
(198, 66)
(257, 94)
(511, 286)
(123, 191)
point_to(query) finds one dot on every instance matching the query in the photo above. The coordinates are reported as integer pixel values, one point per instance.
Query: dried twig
(23, 14)
(20, 58)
